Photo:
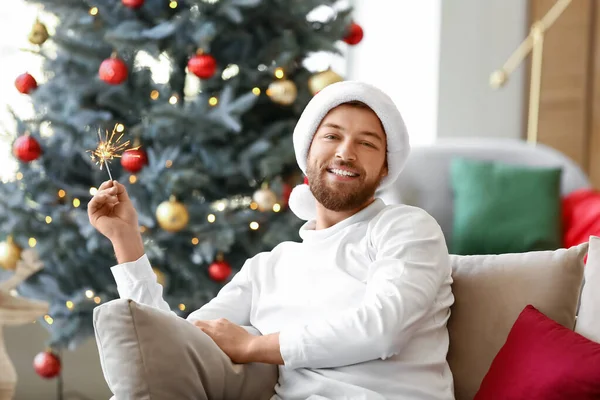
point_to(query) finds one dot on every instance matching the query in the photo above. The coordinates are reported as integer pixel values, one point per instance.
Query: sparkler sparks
(108, 149)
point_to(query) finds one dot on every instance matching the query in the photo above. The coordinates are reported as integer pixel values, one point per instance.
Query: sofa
(425, 181)
(492, 292)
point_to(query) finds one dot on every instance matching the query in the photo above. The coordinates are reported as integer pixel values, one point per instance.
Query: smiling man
(358, 309)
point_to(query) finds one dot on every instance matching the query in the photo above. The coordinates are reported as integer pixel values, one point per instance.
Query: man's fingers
(102, 199)
(105, 185)
(105, 198)
(121, 192)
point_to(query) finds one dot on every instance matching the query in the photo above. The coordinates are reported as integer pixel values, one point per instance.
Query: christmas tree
(198, 99)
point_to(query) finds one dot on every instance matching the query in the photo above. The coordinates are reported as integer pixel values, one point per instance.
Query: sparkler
(108, 149)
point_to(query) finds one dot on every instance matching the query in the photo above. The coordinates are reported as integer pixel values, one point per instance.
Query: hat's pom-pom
(303, 203)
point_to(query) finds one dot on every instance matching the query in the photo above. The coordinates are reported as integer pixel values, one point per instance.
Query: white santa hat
(302, 202)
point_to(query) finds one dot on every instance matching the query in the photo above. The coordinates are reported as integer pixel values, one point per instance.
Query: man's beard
(343, 196)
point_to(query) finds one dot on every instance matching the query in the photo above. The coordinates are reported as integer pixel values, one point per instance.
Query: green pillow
(500, 208)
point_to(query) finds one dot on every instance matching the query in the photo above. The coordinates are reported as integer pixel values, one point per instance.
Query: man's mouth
(342, 172)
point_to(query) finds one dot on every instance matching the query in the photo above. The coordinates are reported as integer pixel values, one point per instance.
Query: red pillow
(543, 360)
(581, 216)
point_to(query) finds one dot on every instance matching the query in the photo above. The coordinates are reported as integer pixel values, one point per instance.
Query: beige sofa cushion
(491, 291)
(588, 320)
(149, 354)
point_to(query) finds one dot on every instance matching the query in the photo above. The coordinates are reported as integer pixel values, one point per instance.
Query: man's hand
(234, 340)
(241, 346)
(111, 212)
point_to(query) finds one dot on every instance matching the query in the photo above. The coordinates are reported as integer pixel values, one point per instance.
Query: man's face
(347, 158)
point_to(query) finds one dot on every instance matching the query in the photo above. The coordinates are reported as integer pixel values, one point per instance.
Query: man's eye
(330, 136)
(368, 144)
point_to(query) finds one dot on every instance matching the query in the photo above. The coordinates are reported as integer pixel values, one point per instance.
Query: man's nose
(346, 151)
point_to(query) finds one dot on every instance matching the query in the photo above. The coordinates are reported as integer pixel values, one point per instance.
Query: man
(358, 309)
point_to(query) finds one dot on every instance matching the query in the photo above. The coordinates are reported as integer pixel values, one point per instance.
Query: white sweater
(361, 306)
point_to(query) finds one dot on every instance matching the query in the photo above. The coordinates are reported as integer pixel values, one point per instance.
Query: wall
(400, 54)
(477, 37)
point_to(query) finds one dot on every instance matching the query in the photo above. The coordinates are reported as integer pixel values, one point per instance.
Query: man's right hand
(112, 213)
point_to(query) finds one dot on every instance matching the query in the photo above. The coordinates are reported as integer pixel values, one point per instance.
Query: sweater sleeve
(136, 281)
(411, 263)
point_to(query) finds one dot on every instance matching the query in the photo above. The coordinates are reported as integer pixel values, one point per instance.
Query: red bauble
(113, 70)
(133, 160)
(25, 83)
(219, 271)
(203, 66)
(133, 3)
(47, 364)
(355, 34)
(26, 148)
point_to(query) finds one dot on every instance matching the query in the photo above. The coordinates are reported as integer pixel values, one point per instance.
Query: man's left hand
(231, 338)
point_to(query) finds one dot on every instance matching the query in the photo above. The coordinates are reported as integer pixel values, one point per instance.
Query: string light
(143, 229)
(76, 202)
(254, 205)
(61, 193)
(173, 4)
(19, 176)
(221, 206)
(213, 101)
(230, 71)
(94, 11)
(169, 164)
(182, 307)
(89, 294)
(48, 219)
(132, 179)
(173, 99)
(49, 320)
(279, 73)
(120, 128)
(254, 225)
(276, 207)
(70, 305)
(154, 94)
(93, 191)
(195, 241)
(32, 242)
(211, 218)
(256, 91)
(97, 300)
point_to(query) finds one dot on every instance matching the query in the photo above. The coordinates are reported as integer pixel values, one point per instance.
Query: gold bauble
(160, 276)
(10, 254)
(38, 34)
(283, 92)
(265, 199)
(172, 215)
(320, 81)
